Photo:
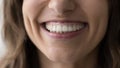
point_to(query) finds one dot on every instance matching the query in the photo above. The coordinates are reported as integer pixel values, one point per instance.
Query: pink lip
(64, 35)
(64, 21)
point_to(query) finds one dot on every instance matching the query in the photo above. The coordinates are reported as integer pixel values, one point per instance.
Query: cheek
(95, 8)
(97, 15)
(32, 8)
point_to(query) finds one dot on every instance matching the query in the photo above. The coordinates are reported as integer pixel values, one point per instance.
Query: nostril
(62, 6)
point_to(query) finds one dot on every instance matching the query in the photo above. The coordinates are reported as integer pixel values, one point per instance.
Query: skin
(77, 52)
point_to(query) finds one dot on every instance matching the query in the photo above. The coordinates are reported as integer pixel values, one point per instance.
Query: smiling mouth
(62, 27)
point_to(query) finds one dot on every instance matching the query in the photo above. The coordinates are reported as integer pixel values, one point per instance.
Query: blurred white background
(2, 45)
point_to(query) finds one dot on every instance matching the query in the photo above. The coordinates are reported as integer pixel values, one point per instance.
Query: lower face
(68, 37)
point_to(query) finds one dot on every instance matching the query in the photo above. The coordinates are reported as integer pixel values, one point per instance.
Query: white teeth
(64, 27)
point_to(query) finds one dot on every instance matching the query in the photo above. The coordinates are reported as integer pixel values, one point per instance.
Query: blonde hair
(14, 37)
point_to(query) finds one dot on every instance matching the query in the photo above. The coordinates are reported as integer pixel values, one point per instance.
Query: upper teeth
(64, 27)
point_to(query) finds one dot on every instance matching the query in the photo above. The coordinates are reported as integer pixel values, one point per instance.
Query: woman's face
(65, 30)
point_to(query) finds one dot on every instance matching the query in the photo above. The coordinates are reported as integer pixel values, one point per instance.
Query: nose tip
(62, 7)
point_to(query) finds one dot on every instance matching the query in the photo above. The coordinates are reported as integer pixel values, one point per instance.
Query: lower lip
(68, 35)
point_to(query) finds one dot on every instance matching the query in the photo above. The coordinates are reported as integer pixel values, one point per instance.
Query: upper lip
(63, 21)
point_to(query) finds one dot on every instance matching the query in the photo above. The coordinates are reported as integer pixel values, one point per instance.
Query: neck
(90, 61)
